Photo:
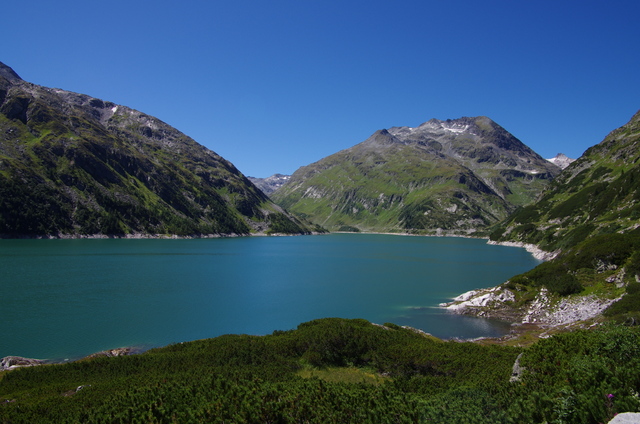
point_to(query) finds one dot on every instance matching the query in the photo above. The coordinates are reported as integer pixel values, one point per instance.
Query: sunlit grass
(344, 375)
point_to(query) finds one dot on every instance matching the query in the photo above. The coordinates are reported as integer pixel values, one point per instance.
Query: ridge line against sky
(272, 86)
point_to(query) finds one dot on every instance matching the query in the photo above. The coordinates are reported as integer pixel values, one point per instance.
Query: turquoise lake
(64, 299)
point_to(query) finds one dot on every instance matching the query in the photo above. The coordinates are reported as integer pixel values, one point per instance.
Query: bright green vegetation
(74, 165)
(597, 194)
(419, 181)
(344, 375)
(336, 371)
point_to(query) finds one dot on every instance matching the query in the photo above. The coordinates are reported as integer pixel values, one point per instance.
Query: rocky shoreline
(537, 253)
(544, 312)
(9, 363)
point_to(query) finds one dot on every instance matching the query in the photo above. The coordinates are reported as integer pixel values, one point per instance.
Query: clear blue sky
(275, 85)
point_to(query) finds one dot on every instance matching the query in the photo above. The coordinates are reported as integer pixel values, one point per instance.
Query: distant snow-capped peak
(561, 160)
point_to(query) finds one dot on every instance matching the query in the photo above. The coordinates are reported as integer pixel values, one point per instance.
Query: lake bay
(64, 299)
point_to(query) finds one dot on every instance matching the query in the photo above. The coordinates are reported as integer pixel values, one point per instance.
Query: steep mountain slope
(454, 176)
(75, 165)
(270, 184)
(589, 218)
(597, 194)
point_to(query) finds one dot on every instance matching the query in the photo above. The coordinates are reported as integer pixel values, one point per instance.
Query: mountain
(589, 219)
(73, 165)
(453, 176)
(597, 194)
(270, 184)
(561, 160)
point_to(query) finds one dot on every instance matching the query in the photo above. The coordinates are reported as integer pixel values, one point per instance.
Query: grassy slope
(406, 189)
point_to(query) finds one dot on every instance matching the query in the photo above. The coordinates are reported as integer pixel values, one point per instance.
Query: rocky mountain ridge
(270, 184)
(72, 165)
(442, 177)
(561, 160)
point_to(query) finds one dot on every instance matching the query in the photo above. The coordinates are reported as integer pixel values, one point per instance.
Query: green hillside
(457, 176)
(588, 218)
(73, 165)
(597, 194)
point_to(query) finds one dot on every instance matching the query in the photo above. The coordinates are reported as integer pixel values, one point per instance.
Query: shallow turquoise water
(69, 298)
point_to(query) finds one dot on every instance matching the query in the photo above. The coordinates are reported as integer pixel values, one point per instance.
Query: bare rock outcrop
(13, 362)
(121, 351)
(497, 302)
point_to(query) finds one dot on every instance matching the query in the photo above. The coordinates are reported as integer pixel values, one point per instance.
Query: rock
(626, 418)
(531, 248)
(517, 370)
(496, 302)
(270, 184)
(561, 160)
(13, 362)
(566, 311)
(482, 298)
(121, 351)
(618, 279)
(602, 266)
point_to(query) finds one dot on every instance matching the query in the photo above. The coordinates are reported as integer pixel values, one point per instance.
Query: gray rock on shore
(13, 362)
(626, 418)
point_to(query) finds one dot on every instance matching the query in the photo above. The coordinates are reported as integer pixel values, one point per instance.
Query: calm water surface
(69, 298)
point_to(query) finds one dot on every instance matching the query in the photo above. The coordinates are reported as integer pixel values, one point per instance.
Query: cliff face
(454, 176)
(73, 165)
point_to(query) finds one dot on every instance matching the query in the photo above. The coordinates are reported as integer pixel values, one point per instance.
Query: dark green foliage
(29, 206)
(579, 202)
(595, 255)
(280, 223)
(525, 214)
(563, 284)
(582, 377)
(627, 309)
(553, 275)
(253, 379)
(250, 379)
(609, 249)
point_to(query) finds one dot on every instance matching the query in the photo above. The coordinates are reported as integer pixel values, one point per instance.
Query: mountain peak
(561, 160)
(8, 73)
(455, 176)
